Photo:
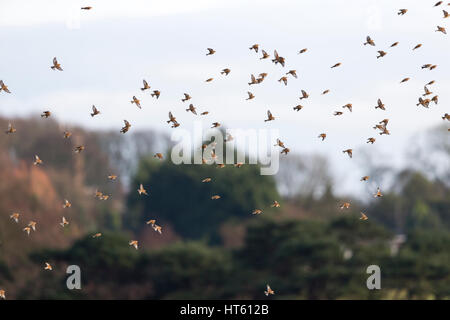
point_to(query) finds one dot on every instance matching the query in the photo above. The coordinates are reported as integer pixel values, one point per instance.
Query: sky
(107, 52)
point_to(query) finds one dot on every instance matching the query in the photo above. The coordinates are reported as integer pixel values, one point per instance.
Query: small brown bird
(275, 204)
(66, 204)
(86, 8)
(292, 73)
(338, 113)
(446, 14)
(438, 3)
(204, 113)
(381, 54)
(27, 230)
(157, 228)
(126, 127)
(349, 152)
(46, 114)
(349, 106)
(305, 95)
(137, 102)
(427, 91)
(56, 65)
(215, 124)
(423, 102)
(417, 46)
(253, 80)
(363, 216)
(156, 93)
(141, 190)
(433, 67)
(365, 178)
(257, 211)
(67, 134)
(255, 47)
(112, 177)
(64, 222)
(146, 86)
(385, 131)
(265, 55)
(15, 216)
(4, 87)
(435, 99)
(2, 294)
(303, 51)
(278, 58)
(431, 83)
(206, 180)
(384, 122)
(441, 29)
(186, 97)
(426, 66)
(270, 117)
(134, 243)
(298, 107)
(268, 291)
(209, 79)
(79, 149)
(191, 109)
(215, 197)
(322, 135)
(48, 266)
(279, 144)
(151, 222)
(369, 41)
(250, 95)
(158, 155)
(226, 71)
(171, 118)
(285, 151)
(210, 51)
(345, 205)
(37, 160)
(239, 164)
(378, 194)
(446, 117)
(336, 65)
(404, 80)
(95, 111)
(284, 79)
(394, 44)
(32, 225)
(326, 91)
(402, 11)
(97, 235)
(380, 105)
(371, 140)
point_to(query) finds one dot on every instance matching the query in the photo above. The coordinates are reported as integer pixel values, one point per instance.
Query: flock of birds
(423, 101)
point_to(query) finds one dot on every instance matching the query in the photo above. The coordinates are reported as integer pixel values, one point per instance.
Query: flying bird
(371, 140)
(156, 94)
(441, 29)
(303, 51)
(402, 11)
(305, 95)
(46, 114)
(64, 222)
(349, 152)
(134, 243)
(278, 59)
(270, 117)
(254, 47)
(363, 216)
(265, 55)
(336, 65)
(146, 86)
(250, 95)
(48, 266)
(369, 41)
(37, 160)
(186, 97)
(4, 87)
(137, 102)
(210, 51)
(191, 109)
(380, 105)
(95, 111)
(126, 127)
(141, 190)
(225, 71)
(15, 216)
(56, 65)
(322, 136)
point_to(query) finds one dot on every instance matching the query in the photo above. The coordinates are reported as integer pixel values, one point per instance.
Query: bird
(284, 79)
(378, 194)
(404, 80)
(433, 67)
(112, 177)
(225, 71)
(268, 291)
(427, 66)
(215, 197)
(338, 113)
(438, 3)
(206, 180)
(46, 114)
(250, 96)
(394, 44)
(384, 122)
(64, 222)
(4, 87)
(349, 152)
(257, 211)
(363, 216)
(326, 91)
(365, 178)
(209, 79)
(253, 80)
(137, 102)
(305, 95)
(151, 222)
(344, 205)
(171, 118)
(210, 51)
(146, 86)
(369, 41)
(97, 235)
(423, 102)
(67, 134)
(141, 190)
(215, 125)
(126, 127)
(430, 83)
(15, 216)
(322, 135)
(191, 109)
(48, 266)
(402, 11)
(446, 14)
(27, 230)
(349, 106)
(380, 105)
(298, 107)
(56, 65)
(66, 204)
(441, 29)
(2, 294)
(32, 225)
(336, 65)
(427, 91)
(275, 204)
(446, 117)
(285, 151)
(435, 99)
(255, 47)
(186, 97)
(265, 55)
(279, 144)
(134, 243)
(270, 117)
(158, 155)
(156, 93)
(157, 228)
(417, 46)
(239, 164)
(303, 51)
(86, 8)
(37, 160)
(292, 73)
(371, 140)
(381, 54)
(278, 58)
(385, 131)
(95, 111)
(79, 149)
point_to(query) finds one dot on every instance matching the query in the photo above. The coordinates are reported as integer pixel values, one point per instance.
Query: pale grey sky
(107, 51)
